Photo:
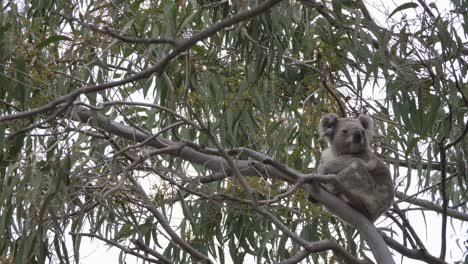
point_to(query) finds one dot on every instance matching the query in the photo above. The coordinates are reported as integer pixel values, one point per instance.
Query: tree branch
(116, 244)
(324, 80)
(140, 245)
(410, 228)
(328, 244)
(411, 253)
(165, 224)
(219, 165)
(157, 68)
(367, 230)
(113, 34)
(430, 205)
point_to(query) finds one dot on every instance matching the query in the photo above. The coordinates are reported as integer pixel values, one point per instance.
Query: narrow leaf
(403, 7)
(50, 40)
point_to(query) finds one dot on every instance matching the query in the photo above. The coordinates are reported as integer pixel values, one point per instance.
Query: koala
(367, 184)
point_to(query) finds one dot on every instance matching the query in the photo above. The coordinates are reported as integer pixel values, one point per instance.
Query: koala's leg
(361, 190)
(333, 166)
(336, 165)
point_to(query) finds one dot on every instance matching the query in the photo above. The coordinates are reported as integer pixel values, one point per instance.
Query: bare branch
(443, 193)
(359, 221)
(406, 235)
(414, 254)
(118, 245)
(140, 245)
(459, 138)
(310, 246)
(430, 205)
(426, 8)
(408, 226)
(165, 224)
(40, 123)
(324, 80)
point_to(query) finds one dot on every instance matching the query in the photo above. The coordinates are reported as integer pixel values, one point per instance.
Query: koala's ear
(328, 124)
(367, 124)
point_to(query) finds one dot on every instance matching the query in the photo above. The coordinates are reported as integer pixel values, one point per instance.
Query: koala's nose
(357, 134)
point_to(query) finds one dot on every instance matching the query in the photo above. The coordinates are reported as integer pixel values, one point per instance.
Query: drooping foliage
(191, 74)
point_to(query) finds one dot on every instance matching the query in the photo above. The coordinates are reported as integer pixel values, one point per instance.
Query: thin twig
(459, 138)
(140, 245)
(406, 234)
(443, 193)
(426, 8)
(128, 39)
(135, 163)
(324, 79)
(35, 125)
(430, 206)
(116, 244)
(409, 227)
(165, 224)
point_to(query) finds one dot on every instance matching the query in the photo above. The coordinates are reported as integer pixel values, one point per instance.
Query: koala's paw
(371, 164)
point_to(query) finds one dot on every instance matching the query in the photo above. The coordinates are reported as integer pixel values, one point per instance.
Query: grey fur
(366, 179)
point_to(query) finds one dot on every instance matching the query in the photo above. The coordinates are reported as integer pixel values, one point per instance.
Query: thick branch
(321, 246)
(309, 246)
(214, 163)
(367, 230)
(246, 168)
(410, 253)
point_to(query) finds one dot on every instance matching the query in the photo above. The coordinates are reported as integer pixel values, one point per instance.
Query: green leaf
(403, 7)
(52, 39)
(124, 232)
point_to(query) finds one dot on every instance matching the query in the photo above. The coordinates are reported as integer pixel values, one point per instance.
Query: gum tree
(185, 131)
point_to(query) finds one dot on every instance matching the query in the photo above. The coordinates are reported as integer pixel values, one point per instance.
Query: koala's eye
(344, 131)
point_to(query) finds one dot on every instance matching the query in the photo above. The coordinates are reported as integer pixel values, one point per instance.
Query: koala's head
(347, 135)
